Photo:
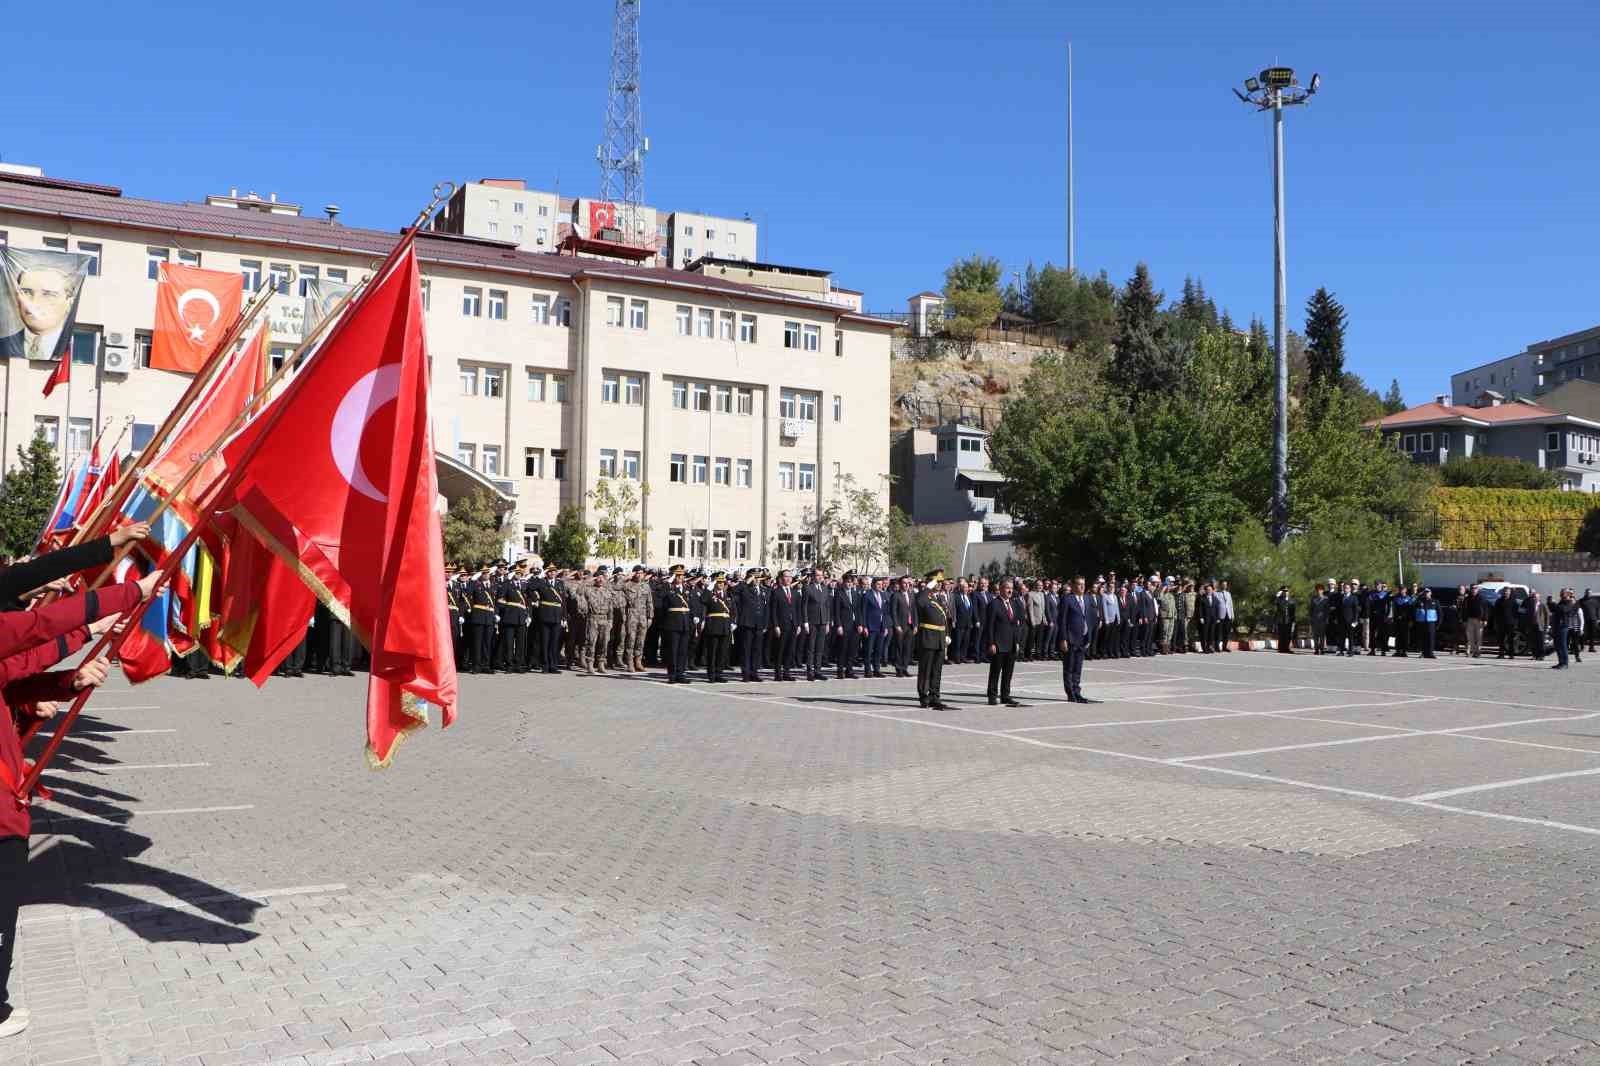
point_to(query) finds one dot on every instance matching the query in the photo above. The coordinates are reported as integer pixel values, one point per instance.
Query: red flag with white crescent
(337, 479)
(194, 307)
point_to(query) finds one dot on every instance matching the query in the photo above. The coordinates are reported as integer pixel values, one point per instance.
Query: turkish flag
(61, 374)
(194, 308)
(224, 399)
(602, 215)
(344, 459)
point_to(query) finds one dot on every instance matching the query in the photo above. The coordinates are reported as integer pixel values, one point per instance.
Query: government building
(739, 404)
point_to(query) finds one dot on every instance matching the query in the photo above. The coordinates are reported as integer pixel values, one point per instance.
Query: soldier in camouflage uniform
(1169, 616)
(619, 601)
(639, 608)
(594, 604)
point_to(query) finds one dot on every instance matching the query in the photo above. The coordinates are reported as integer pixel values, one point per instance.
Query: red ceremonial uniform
(30, 641)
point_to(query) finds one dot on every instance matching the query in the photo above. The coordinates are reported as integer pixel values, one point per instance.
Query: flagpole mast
(441, 192)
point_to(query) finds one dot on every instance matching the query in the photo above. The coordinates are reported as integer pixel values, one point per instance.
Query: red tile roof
(66, 200)
(1444, 412)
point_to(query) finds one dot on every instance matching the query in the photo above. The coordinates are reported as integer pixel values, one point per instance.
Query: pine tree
(27, 495)
(1325, 323)
(1393, 401)
(1148, 358)
(566, 542)
(1139, 301)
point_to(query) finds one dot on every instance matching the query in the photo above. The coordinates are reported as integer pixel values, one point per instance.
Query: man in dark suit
(1052, 608)
(1000, 637)
(903, 621)
(981, 598)
(749, 602)
(1097, 612)
(787, 614)
(817, 603)
(1073, 627)
(875, 617)
(847, 623)
(1205, 616)
(933, 627)
(966, 618)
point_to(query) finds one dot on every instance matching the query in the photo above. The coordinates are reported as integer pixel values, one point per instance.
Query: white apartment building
(737, 406)
(505, 209)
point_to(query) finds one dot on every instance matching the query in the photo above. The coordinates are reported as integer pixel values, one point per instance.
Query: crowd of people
(1349, 618)
(36, 635)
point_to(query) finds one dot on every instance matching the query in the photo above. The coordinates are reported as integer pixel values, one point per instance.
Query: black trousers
(1072, 669)
(550, 635)
(1180, 635)
(785, 646)
(811, 644)
(1286, 638)
(958, 648)
(341, 647)
(715, 645)
(749, 653)
(847, 652)
(481, 637)
(904, 651)
(1430, 636)
(13, 883)
(677, 654)
(512, 638)
(930, 673)
(1001, 664)
(1150, 629)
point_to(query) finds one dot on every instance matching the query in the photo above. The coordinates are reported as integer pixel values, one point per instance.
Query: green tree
(566, 542)
(972, 298)
(1082, 313)
(1393, 401)
(1589, 533)
(853, 528)
(27, 495)
(912, 549)
(1325, 325)
(472, 530)
(976, 273)
(1495, 472)
(618, 529)
(1148, 359)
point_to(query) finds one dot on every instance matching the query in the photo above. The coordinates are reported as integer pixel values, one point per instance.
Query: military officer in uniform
(719, 623)
(933, 623)
(481, 618)
(676, 621)
(545, 600)
(513, 620)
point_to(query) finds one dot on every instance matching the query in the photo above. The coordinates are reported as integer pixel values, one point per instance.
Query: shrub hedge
(1510, 519)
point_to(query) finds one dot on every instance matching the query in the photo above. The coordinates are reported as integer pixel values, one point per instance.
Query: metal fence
(1543, 535)
(930, 414)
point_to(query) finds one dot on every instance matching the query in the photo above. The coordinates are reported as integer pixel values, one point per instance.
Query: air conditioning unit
(116, 360)
(790, 428)
(117, 340)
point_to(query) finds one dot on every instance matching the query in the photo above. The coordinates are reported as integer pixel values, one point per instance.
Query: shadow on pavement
(93, 849)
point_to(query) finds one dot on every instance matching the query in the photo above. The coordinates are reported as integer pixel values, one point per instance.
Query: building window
(719, 544)
(533, 462)
(806, 548)
(791, 334)
(85, 346)
(747, 329)
(711, 234)
(785, 547)
(309, 275)
(633, 390)
(838, 408)
(608, 462)
(491, 460)
(154, 257)
(92, 250)
(697, 544)
(786, 404)
(494, 207)
(1408, 444)
(702, 396)
(721, 471)
(838, 343)
(808, 477)
(518, 207)
(1552, 442)
(280, 275)
(426, 287)
(497, 304)
(807, 411)
(48, 427)
(614, 310)
(79, 432)
(558, 463)
(277, 354)
(811, 338)
(703, 320)
(564, 312)
(698, 469)
(494, 229)
(675, 544)
(467, 455)
(541, 310)
(249, 269)
(142, 340)
(471, 301)
(725, 325)
(56, 244)
(142, 434)
(741, 546)
(639, 314)
(681, 318)
(688, 231)
(1427, 442)
(560, 382)
(516, 231)
(724, 401)
(678, 468)
(610, 388)
(742, 473)
(786, 477)
(543, 235)
(680, 395)
(746, 401)
(494, 382)
(469, 381)
(530, 538)
(630, 465)
(536, 386)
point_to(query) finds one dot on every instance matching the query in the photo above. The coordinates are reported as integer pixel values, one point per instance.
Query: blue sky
(1442, 184)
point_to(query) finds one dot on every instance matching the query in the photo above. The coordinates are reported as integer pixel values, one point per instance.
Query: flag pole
(30, 781)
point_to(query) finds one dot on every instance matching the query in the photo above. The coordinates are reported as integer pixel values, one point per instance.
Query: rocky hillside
(918, 385)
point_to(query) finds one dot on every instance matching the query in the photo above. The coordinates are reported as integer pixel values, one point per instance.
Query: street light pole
(1273, 90)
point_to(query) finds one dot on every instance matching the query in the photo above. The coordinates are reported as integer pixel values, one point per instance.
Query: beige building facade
(739, 408)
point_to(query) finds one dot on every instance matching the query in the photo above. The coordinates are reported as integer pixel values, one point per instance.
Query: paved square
(1239, 858)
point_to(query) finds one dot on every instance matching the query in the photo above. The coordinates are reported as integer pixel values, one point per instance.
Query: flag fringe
(413, 707)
